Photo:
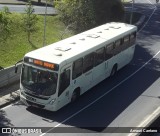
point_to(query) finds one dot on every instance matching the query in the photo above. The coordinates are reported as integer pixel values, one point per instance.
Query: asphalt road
(22, 8)
(126, 100)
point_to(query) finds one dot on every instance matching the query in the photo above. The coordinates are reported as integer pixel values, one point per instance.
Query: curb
(9, 99)
(41, 4)
(148, 122)
(13, 3)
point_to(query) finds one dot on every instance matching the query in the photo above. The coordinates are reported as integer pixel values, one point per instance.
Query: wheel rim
(113, 71)
(74, 96)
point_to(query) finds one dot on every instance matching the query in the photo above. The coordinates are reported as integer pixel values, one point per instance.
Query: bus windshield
(39, 82)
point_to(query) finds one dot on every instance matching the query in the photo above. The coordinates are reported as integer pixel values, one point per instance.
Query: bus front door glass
(39, 82)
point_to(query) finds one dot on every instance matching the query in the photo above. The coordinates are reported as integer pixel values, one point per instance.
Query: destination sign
(41, 63)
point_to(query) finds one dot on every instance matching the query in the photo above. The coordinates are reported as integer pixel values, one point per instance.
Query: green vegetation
(81, 15)
(76, 15)
(4, 24)
(30, 20)
(17, 45)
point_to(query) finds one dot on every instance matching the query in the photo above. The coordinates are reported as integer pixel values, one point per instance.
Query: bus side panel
(78, 82)
(99, 73)
(127, 56)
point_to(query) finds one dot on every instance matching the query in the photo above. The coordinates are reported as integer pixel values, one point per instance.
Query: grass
(17, 45)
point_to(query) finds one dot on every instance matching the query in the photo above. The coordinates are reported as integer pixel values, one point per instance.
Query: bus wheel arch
(114, 69)
(75, 94)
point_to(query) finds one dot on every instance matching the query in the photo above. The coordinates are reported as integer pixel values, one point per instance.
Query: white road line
(111, 88)
(149, 17)
(8, 106)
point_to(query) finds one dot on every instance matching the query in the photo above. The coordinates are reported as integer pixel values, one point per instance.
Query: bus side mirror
(16, 68)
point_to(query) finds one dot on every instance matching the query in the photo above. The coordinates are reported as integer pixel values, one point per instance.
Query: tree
(78, 13)
(86, 14)
(108, 11)
(4, 24)
(30, 20)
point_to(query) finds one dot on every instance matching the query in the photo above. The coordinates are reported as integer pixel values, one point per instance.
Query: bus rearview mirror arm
(16, 68)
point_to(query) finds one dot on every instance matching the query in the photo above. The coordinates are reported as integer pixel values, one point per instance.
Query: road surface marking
(8, 106)
(148, 18)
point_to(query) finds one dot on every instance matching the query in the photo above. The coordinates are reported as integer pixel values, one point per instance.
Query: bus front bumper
(29, 102)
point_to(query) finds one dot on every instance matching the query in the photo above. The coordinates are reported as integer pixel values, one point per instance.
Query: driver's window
(64, 81)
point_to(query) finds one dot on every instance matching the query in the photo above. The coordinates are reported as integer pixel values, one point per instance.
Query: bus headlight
(22, 90)
(52, 101)
(22, 93)
(21, 87)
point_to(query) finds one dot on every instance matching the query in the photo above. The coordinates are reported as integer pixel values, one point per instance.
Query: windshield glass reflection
(38, 81)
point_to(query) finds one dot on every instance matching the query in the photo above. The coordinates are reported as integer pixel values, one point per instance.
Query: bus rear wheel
(114, 70)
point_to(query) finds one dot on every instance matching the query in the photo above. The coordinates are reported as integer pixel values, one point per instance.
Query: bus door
(64, 86)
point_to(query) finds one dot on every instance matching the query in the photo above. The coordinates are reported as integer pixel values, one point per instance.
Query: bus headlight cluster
(22, 90)
(52, 101)
(22, 93)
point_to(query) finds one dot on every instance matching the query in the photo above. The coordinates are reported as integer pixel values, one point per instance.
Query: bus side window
(77, 68)
(109, 51)
(126, 42)
(64, 81)
(99, 56)
(117, 47)
(132, 38)
(88, 62)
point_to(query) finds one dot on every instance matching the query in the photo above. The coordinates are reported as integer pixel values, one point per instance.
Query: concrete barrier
(8, 75)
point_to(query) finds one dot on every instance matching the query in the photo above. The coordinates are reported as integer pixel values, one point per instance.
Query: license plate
(34, 106)
(30, 98)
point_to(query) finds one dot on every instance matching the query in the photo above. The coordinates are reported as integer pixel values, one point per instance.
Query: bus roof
(81, 44)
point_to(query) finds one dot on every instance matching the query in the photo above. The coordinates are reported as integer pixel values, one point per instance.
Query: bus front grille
(35, 104)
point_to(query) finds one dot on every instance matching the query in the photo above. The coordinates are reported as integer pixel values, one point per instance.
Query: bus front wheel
(75, 95)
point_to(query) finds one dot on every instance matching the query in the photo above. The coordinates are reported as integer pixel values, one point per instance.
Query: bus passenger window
(117, 47)
(126, 39)
(109, 51)
(133, 38)
(88, 62)
(77, 68)
(64, 81)
(126, 42)
(99, 56)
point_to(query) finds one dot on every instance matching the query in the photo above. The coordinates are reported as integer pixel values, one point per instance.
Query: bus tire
(75, 95)
(114, 70)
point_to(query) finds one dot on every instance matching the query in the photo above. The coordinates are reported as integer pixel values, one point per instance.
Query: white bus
(59, 73)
